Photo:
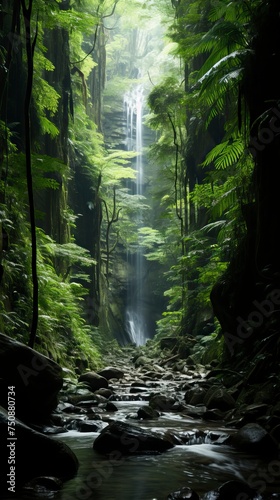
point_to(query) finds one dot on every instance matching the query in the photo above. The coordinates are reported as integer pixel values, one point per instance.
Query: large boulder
(110, 372)
(237, 490)
(36, 379)
(219, 398)
(253, 438)
(130, 439)
(28, 454)
(94, 381)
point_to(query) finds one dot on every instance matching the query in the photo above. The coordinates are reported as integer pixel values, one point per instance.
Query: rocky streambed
(153, 430)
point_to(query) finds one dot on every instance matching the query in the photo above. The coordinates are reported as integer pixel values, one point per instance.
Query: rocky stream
(146, 429)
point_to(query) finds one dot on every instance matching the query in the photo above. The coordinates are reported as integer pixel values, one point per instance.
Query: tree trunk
(27, 12)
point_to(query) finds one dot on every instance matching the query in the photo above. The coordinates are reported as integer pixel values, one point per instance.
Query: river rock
(35, 454)
(36, 378)
(195, 396)
(161, 402)
(143, 361)
(253, 438)
(111, 372)
(219, 399)
(104, 392)
(146, 412)
(42, 486)
(183, 494)
(237, 490)
(94, 380)
(85, 425)
(213, 415)
(275, 434)
(110, 406)
(130, 440)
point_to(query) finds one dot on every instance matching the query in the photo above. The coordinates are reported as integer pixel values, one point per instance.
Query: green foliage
(61, 327)
(198, 169)
(209, 348)
(225, 154)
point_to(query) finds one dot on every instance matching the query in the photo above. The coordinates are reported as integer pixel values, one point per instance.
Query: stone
(127, 439)
(183, 494)
(219, 399)
(147, 412)
(233, 490)
(213, 415)
(143, 361)
(94, 380)
(256, 410)
(43, 486)
(85, 425)
(111, 372)
(161, 402)
(195, 396)
(111, 407)
(275, 434)
(105, 392)
(35, 455)
(253, 438)
(36, 378)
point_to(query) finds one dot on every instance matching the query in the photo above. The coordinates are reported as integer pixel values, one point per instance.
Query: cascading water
(135, 312)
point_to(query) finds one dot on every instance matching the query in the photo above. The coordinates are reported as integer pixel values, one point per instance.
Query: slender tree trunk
(27, 11)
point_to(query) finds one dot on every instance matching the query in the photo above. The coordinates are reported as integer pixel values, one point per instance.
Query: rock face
(34, 453)
(36, 378)
(130, 440)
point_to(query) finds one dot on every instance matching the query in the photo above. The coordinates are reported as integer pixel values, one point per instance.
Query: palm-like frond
(225, 154)
(222, 38)
(224, 203)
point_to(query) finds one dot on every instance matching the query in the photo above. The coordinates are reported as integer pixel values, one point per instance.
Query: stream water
(201, 466)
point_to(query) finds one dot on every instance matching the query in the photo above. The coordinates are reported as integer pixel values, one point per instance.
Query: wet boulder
(111, 372)
(146, 412)
(162, 403)
(237, 490)
(85, 425)
(94, 380)
(219, 399)
(111, 407)
(104, 392)
(130, 439)
(143, 361)
(42, 487)
(195, 395)
(183, 494)
(36, 378)
(34, 455)
(253, 438)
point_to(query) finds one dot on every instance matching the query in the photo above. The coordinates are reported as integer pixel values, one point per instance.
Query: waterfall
(135, 312)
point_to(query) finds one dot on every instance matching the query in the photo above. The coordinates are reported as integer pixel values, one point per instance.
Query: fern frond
(48, 127)
(225, 154)
(226, 201)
